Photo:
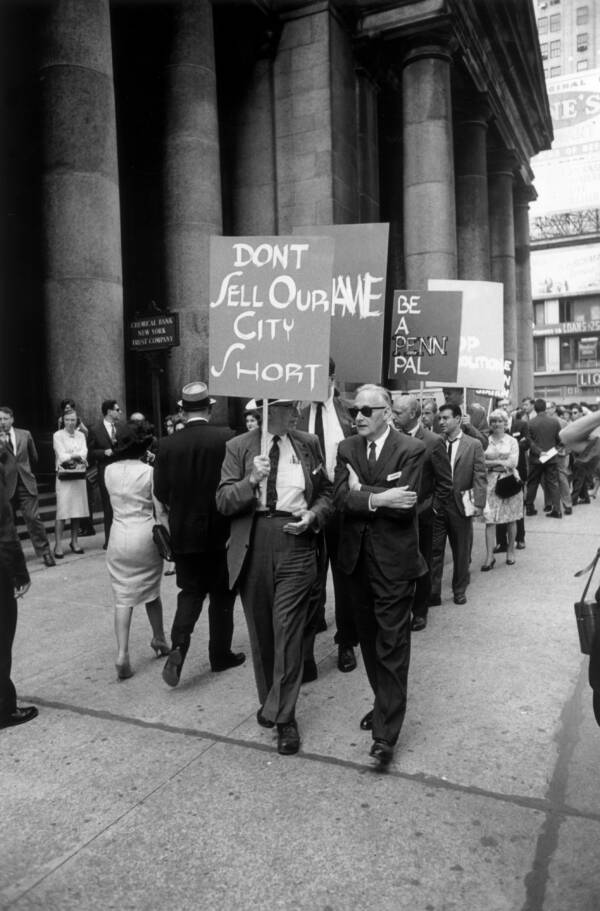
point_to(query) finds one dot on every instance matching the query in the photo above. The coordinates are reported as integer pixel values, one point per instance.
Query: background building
(133, 131)
(565, 219)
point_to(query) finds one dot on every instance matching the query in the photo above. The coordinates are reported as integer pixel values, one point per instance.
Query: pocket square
(394, 476)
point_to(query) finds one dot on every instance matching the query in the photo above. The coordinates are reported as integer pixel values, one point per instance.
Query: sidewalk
(131, 795)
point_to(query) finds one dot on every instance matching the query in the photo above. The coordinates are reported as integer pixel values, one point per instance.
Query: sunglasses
(366, 410)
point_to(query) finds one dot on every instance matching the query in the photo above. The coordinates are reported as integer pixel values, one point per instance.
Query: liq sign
(425, 336)
(270, 302)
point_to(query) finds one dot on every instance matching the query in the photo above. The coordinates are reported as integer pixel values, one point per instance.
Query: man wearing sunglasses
(377, 478)
(102, 439)
(277, 501)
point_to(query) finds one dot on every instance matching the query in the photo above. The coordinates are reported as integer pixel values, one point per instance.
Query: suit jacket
(436, 480)
(186, 475)
(236, 497)
(393, 532)
(98, 441)
(12, 561)
(544, 432)
(470, 473)
(19, 464)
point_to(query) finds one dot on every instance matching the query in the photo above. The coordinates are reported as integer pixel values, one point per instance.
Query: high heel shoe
(510, 561)
(124, 670)
(160, 646)
(487, 566)
(59, 556)
(76, 550)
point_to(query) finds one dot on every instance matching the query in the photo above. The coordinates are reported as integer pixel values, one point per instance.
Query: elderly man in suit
(331, 423)
(21, 456)
(272, 553)
(469, 483)
(377, 480)
(186, 474)
(102, 440)
(434, 492)
(544, 438)
(14, 583)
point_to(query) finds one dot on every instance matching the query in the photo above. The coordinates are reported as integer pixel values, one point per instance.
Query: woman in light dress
(133, 562)
(501, 459)
(70, 449)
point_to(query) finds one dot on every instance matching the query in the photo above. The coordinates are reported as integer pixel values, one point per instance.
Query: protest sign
(270, 303)
(357, 298)
(425, 336)
(481, 359)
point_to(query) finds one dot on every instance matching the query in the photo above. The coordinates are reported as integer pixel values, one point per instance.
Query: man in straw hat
(272, 554)
(186, 475)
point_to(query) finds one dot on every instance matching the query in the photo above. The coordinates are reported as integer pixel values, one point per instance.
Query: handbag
(509, 486)
(71, 474)
(587, 613)
(162, 539)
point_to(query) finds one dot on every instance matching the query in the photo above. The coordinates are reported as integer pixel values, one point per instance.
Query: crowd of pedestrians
(371, 489)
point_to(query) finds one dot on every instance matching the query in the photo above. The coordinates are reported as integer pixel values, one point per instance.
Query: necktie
(372, 453)
(272, 479)
(9, 444)
(113, 433)
(319, 427)
(450, 445)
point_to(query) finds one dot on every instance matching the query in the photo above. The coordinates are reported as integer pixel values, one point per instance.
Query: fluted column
(429, 196)
(80, 207)
(192, 185)
(472, 211)
(501, 167)
(522, 197)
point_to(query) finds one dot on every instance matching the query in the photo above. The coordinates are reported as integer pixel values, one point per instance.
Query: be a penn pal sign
(154, 331)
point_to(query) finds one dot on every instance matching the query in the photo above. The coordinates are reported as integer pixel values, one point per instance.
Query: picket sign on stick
(263, 448)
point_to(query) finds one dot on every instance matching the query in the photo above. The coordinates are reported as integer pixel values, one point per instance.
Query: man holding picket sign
(272, 555)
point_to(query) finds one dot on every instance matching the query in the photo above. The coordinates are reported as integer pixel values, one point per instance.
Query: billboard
(565, 270)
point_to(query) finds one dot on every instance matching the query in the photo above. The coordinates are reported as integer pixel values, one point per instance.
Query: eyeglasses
(366, 410)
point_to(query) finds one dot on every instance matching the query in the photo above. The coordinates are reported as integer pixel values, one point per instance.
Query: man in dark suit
(467, 464)
(434, 493)
(14, 583)
(186, 474)
(377, 480)
(102, 439)
(272, 553)
(331, 423)
(544, 437)
(21, 456)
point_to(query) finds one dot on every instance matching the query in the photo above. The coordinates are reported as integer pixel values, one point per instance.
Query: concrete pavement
(131, 795)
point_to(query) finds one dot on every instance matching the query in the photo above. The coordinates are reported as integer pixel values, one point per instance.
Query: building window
(567, 354)
(543, 25)
(555, 22)
(555, 71)
(540, 353)
(538, 313)
(544, 50)
(582, 65)
(555, 48)
(582, 15)
(583, 41)
(565, 311)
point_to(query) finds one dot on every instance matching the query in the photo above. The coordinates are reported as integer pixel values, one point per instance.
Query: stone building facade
(133, 131)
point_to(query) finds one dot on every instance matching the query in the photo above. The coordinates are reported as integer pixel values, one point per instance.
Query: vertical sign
(270, 303)
(357, 298)
(425, 336)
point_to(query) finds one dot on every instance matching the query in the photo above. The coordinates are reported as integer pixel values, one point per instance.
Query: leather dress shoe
(434, 600)
(366, 723)
(520, 545)
(568, 511)
(264, 722)
(19, 716)
(500, 549)
(418, 623)
(460, 599)
(309, 671)
(530, 511)
(171, 672)
(346, 659)
(48, 559)
(382, 751)
(288, 738)
(233, 659)
(554, 515)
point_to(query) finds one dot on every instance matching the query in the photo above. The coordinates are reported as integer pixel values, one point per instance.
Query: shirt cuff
(371, 507)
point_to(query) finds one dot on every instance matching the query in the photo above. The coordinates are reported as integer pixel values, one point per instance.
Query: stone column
(192, 185)
(429, 201)
(501, 166)
(522, 197)
(472, 225)
(80, 207)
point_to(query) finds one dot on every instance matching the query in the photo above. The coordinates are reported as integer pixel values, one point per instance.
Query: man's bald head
(405, 411)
